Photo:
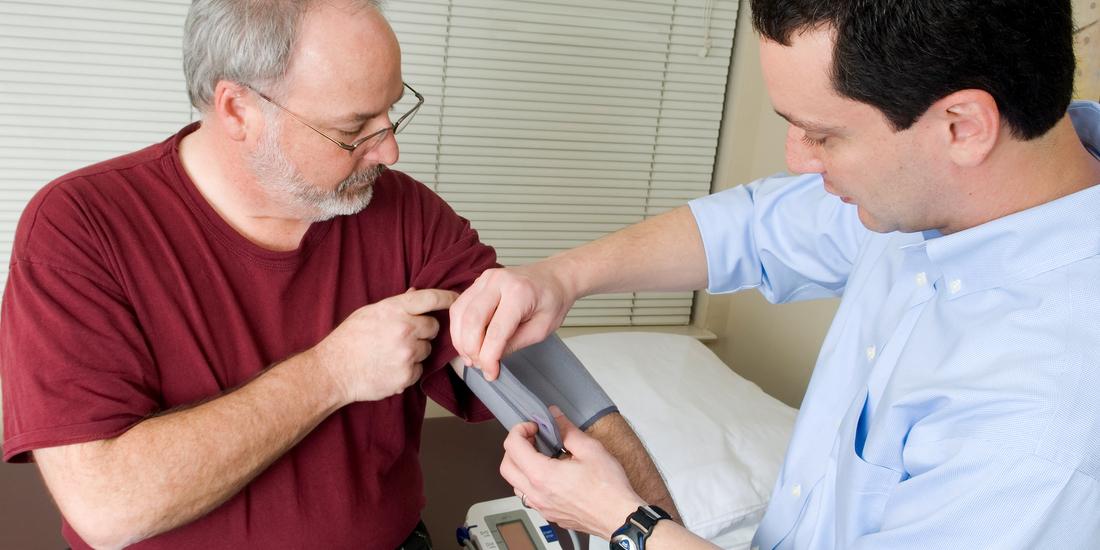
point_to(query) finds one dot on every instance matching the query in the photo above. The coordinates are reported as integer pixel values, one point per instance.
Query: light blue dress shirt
(956, 400)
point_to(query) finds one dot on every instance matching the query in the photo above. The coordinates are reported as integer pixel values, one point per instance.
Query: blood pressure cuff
(533, 378)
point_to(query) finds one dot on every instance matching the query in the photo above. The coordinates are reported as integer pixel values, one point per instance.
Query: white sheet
(717, 438)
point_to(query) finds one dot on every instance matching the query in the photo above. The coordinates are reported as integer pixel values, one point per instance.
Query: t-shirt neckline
(215, 225)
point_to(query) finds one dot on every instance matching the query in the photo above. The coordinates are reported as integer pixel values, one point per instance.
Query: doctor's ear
(236, 109)
(971, 124)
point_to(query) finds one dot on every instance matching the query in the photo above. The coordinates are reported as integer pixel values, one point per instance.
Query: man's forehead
(799, 82)
(353, 116)
(351, 59)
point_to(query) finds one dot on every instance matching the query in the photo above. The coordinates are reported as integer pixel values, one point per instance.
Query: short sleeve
(783, 235)
(73, 360)
(452, 258)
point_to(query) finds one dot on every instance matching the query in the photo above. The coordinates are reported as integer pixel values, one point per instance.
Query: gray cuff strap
(535, 377)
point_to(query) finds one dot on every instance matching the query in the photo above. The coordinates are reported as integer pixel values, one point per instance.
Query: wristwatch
(638, 526)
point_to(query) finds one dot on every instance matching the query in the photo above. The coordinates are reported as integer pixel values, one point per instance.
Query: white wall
(1087, 44)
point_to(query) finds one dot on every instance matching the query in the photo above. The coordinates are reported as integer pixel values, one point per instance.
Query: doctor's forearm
(616, 435)
(662, 253)
(169, 470)
(673, 536)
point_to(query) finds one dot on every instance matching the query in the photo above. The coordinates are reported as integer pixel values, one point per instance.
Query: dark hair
(901, 56)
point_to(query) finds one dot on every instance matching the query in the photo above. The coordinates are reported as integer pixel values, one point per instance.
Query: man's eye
(813, 142)
(352, 132)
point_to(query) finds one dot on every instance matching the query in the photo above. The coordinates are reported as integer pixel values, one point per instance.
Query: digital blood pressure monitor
(505, 524)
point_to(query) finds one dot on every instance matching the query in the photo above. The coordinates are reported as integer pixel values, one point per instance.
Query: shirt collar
(1085, 116)
(1027, 243)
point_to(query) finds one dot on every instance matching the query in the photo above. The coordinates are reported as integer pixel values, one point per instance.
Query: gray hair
(244, 41)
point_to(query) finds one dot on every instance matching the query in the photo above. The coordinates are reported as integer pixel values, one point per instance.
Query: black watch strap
(638, 526)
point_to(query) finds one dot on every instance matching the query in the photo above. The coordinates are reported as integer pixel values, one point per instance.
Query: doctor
(948, 193)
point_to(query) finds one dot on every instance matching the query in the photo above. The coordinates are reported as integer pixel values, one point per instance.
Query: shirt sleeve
(73, 359)
(783, 235)
(977, 494)
(452, 258)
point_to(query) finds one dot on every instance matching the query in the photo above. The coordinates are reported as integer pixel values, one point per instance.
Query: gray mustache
(357, 179)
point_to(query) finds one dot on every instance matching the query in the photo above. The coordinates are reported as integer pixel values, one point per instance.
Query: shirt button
(922, 278)
(796, 491)
(955, 286)
(871, 352)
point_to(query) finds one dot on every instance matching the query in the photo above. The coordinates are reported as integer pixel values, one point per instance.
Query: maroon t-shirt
(129, 295)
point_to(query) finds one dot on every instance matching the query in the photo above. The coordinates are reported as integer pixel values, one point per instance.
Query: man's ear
(971, 124)
(235, 111)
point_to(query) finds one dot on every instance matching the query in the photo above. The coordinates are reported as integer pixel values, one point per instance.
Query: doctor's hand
(377, 351)
(505, 310)
(587, 491)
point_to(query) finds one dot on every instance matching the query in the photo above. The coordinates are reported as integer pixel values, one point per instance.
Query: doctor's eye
(813, 142)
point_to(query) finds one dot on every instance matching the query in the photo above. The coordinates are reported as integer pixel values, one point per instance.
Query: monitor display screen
(515, 536)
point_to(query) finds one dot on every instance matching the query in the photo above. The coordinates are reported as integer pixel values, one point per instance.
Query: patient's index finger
(418, 302)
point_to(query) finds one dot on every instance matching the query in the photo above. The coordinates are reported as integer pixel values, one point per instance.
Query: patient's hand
(377, 351)
(587, 491)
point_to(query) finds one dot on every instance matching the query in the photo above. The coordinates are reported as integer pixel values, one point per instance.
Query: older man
(219, 341)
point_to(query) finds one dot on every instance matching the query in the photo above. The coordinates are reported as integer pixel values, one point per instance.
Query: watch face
(622, 542)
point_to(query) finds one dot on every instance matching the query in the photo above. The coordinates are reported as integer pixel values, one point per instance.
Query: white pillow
(717, 438)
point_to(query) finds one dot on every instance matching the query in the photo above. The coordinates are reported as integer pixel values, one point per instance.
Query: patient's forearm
(619, 439)
(169, 470)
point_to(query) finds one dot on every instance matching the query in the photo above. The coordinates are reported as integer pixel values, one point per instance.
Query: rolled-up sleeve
(783, 235)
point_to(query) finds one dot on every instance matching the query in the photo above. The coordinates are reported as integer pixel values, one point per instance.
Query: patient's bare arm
(168, 470)
(616, 435)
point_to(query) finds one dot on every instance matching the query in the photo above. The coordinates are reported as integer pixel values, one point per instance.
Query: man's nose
(385, 153)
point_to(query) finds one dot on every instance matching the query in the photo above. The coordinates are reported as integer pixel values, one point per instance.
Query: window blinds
(548, 123)
(80, 84)
(553, 122)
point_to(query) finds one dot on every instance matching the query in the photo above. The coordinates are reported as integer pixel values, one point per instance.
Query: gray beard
(283, 182)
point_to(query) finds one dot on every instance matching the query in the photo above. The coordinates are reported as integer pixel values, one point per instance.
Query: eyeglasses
(368, 142)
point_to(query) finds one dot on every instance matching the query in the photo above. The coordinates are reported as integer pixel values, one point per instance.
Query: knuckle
(405, 330)
(503, 469)
(538, 481)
